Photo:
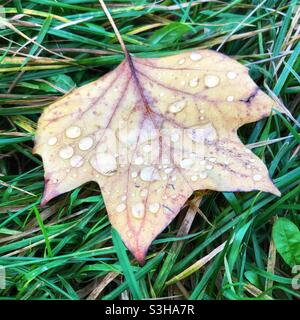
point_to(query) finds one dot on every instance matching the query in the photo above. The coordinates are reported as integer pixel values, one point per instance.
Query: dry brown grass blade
(102, 285)
(16, 188)
(254, 291)
(271, 260)
(197, 265)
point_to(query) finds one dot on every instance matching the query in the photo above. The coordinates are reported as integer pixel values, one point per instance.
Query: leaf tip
(49, 193)
(272, 188)
(139, 256)
(276, 192)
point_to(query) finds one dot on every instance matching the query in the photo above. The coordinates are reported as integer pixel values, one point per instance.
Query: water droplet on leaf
(154, 207)
(85, 143)
(211, 81)
(257, 177)
(121, 207)
(194, 82)
(149, 174)
(186, 163)
(73, 132)
(195, 56)
(76, 161)
(138, 210)
(104, 163)
(231, 75)
(177, 106)
(52, 141)
(66, 152)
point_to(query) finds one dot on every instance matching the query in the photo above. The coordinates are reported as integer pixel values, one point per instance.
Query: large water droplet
(85, 143)
(211, 81)
(138, 210)
(186, 163)
(73, 132)
(128, 137)
(52, 141)
(177, 106)
(231, 75)
(149, 174)
(202, 133)
(195, 56)
(66, 152)
(104, 163)
(139, 160)
(76, 161)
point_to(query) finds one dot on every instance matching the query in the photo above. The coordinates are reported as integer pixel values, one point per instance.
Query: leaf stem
(111, 20)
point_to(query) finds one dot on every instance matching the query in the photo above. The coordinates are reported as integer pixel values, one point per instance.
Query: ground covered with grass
(65, 250)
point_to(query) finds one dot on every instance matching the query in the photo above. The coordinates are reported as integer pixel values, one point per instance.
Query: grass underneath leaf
(65, 251)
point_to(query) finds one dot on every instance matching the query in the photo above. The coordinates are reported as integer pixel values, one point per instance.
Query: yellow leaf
(150, 133)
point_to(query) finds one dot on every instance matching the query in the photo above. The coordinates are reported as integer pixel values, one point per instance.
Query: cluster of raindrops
(68, 152)
(200, 168)
(210, 81)
(138, 209)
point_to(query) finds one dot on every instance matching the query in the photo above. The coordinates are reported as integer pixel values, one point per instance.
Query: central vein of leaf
(140, 88)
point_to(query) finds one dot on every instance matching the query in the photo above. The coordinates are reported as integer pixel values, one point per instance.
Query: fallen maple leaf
(150, 133)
